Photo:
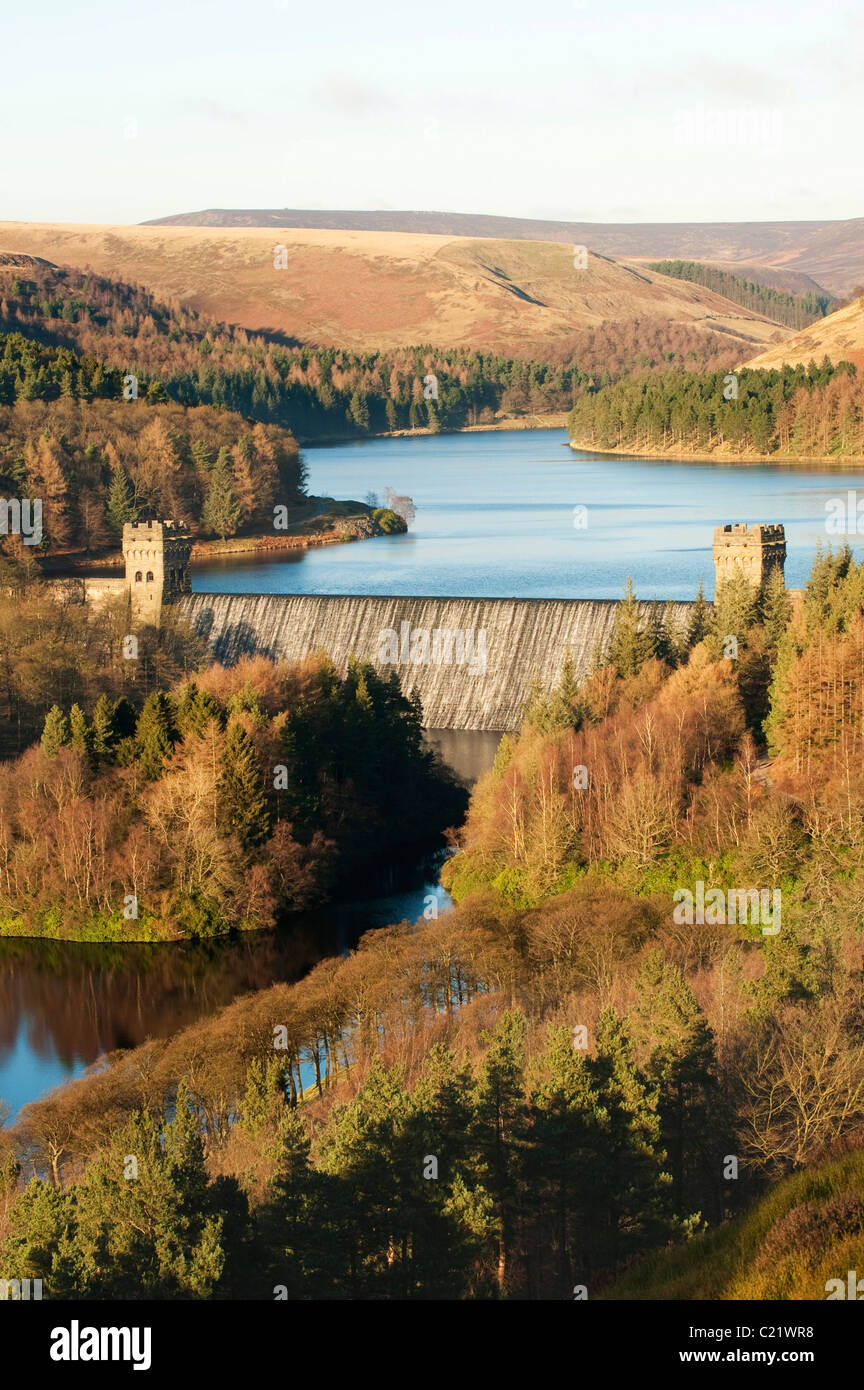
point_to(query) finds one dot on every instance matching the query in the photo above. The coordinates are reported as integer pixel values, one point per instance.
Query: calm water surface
(495, 517)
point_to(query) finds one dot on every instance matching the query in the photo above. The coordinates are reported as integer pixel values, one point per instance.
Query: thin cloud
(345, 93)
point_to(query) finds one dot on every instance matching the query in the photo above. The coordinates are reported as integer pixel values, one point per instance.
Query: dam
(471, 661)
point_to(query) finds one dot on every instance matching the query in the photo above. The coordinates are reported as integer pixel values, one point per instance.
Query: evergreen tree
(121, 503)
(158, 1234)
(242, 804)
(80, 735)
(700, 618)
(104, 729)
(498, 1131)
(632, 641)
(221, 511)
(55, 733)
(681, 1061)
(363, 1149)
(155, 734)
(736, 610)
(776, 607)
(359, 410)
(202, 455)
(503, 757)
(564, 1143)
(627, 1188)
(194, 707)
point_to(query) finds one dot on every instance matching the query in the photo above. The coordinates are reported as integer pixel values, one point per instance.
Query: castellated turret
(157, 567)
(756, 549)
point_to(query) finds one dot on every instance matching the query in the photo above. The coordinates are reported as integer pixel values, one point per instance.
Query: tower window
(138, 576)
(149, 576)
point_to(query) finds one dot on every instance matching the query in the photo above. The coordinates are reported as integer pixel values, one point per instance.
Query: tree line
(213, 806)
(794, 412)
(315, 392)
(793, 310)
(100, 463)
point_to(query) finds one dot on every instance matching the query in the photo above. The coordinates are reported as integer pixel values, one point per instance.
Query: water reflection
(63, 1004)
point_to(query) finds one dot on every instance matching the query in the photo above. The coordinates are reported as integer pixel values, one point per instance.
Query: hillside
(807, 1230)
(840, 337)
(797, 413)
(384, 290)
(831, 252)
(794, 311)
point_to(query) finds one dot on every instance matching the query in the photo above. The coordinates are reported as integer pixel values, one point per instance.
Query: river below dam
(496, 518)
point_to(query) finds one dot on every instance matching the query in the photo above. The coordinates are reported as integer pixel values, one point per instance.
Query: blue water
(63, 1005)
(495, 517)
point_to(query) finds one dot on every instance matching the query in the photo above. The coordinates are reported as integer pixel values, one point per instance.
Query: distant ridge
(832, 252)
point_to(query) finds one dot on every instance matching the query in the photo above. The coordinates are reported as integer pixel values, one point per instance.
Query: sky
(572, 109)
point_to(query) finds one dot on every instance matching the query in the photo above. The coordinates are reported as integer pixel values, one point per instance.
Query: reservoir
(496, 517)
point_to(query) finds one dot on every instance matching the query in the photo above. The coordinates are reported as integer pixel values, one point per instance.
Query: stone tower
(757, 549)
(157, 566)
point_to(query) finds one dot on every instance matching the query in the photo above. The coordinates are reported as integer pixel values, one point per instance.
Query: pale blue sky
(565, 108)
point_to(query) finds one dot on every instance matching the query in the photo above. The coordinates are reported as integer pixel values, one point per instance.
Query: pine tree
(358, 410)
(681, 1060)
(497, 1130)
(55, 733)
(363, 1149)
(104, 729)
(121, 503)
(700, 618)
(632, 642)
(193, 709)
(202, 455)
(503, 757)
(242, 804)
(776, 607)
(80, 735)
(158, 1235)
(155, 734)
(221, 511)
(627, 1188)
(736, 610)
(564, 1142)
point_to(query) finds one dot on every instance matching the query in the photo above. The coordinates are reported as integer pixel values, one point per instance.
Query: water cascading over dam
(495, 646)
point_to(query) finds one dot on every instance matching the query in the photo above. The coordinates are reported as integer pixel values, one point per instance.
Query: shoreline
(677, 455)
(554, 420)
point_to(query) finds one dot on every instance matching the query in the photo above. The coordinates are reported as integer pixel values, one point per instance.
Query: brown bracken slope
(832, 253)
(839, 336)
(367, 290)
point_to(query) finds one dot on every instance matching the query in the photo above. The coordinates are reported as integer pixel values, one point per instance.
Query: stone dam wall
(471, 660)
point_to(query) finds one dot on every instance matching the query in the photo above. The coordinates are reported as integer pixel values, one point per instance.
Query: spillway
(471, 660)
